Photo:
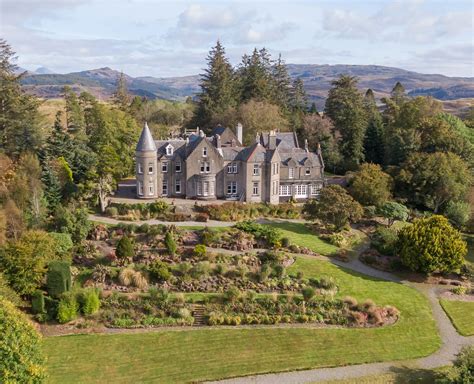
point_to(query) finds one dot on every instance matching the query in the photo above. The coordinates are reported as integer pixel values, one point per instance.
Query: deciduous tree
(370, 185)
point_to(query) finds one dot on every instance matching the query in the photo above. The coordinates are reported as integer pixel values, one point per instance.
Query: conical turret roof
(146, 142)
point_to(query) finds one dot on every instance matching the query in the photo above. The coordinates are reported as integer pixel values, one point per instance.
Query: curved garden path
(452, 342)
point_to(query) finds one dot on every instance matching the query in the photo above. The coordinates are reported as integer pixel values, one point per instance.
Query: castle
(273, 169)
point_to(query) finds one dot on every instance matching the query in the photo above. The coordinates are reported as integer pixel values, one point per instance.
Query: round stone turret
(146, 166)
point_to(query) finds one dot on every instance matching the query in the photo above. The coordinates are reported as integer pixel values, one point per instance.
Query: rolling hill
(317, 80)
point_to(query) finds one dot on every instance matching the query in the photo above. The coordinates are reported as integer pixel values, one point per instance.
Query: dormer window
(204, 151)
(169, 150)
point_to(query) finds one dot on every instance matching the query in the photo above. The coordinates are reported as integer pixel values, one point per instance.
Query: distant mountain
(317, 80)
(43, 71)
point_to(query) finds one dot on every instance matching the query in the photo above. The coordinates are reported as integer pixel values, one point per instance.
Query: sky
(172, 38)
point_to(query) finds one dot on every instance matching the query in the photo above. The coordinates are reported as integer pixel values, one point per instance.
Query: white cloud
(200, 17)
(258, 35)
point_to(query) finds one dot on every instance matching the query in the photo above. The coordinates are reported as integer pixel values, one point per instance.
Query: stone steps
(198, 312)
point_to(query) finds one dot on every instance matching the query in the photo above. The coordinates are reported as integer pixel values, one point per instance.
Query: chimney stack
(306, 145)
(272, 140)
(218, 140)
(239, 133)
(318, 149)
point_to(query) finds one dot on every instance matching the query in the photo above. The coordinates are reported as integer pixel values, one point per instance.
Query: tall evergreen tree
(20, 121)
(255, 76)
(398, 93)
(218, 91)
(121, 98)
(345, 107)
(281, 84)
(374, 140)
(74, 113)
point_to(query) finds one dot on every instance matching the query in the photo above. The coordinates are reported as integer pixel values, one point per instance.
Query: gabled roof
(301, 157)
(146, 142)
(255, 152)
(178, 147)
(284, 140)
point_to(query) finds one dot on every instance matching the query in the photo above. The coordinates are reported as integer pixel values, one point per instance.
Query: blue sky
(172, 38)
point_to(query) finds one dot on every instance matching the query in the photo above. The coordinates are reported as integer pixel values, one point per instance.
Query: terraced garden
(225, 352)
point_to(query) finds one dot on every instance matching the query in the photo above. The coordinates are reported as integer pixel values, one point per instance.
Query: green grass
(461, 314)
(301, 235)
(206, 354)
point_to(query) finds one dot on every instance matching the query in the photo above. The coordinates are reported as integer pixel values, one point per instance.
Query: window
(302, 190)
(164, 166)
(151, 190)
(169, 150)
(232, 168)
(204, 151)
(206, 188)
(177, 166)
(232, 188)
(177, 186)
(140, 188)
(275, 168)
(308, 171)
(140, 170)
(291, 173)
(285, 190)
(256, 170)
(255, 188)
(315, 190)
(275, 188)
(199, 189)
(164, 190)
(205, 167)
(150, 168)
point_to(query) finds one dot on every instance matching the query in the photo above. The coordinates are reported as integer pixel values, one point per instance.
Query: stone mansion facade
(273, 169)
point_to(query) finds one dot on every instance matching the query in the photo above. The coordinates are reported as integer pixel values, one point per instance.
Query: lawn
(301, 235)
(206, 354)
(461, 314)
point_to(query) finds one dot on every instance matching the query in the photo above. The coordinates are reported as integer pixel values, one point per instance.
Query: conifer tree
(255, 77)
(345, 107)
(299, 99)
(374, 140)
(74, 113)
(121, 98)
(218, 91)
(398, 93)
(20, 121)
(281, 84)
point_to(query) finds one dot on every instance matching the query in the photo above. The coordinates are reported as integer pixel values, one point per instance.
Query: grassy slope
(299, 234)
(461, 314)
(185, 356)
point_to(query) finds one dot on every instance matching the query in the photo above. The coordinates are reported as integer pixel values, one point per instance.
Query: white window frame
(255, 188)
(285, 190)
(140, 169)
(206, 188)
(169, 150)
(256, 169)
(164, 167)
(204, 152)
(177, 186)
(140, 188)
(315, 190)
(291, 173)
(205, 167)
(235, 168)
(150, 168)
(307, 171)
(177, 166)
(231, 188)
(151, 190)
(232, 168)
(164, 189)
(301, 190)
(199, 188)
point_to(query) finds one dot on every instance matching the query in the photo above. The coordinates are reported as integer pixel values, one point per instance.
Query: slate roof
(300, 156)
(179, 146)
(146, 142)
(284, 140)
(232, 153)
